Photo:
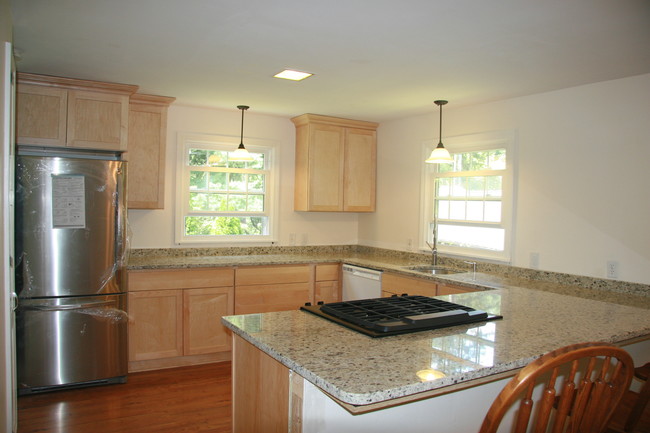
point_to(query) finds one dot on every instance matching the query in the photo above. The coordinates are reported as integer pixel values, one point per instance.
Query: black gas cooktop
(380, 317)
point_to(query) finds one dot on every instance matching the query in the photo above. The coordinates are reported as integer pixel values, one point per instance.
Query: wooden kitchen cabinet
(175, 316)
(155, 324)
(65, 112)
(202, 312)
(41, 115)
(261, 289)
(336, 163)
(146, 151)
(327, 287)
(393, 284)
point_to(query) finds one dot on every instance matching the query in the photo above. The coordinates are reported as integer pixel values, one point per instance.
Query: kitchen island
(293, 371)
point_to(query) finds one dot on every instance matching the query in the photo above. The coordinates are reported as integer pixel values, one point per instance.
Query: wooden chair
(583, 385)
(641, 373)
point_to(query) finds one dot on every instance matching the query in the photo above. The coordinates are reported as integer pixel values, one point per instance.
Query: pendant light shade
(439, 155)
(241, 154)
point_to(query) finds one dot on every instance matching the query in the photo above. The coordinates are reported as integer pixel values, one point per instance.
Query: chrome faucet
(434, 248)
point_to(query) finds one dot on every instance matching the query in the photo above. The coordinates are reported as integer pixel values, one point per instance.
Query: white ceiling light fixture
(439, 155)
(241, 154)
(293, 75)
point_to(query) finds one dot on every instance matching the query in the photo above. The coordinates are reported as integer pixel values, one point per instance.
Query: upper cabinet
(336, 164)
(64, 112)
(146, 156)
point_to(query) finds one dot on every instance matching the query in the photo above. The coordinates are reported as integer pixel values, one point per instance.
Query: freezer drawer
(71, 342)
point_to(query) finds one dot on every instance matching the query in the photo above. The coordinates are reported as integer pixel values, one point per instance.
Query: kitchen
(556, 198)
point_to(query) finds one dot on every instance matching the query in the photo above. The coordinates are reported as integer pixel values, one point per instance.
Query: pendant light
(241, 154)
(439, 155)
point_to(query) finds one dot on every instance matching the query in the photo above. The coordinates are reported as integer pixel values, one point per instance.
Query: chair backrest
(581, 386)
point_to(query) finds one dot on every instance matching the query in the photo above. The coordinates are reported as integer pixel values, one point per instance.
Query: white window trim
(186, 140)
(467, 143)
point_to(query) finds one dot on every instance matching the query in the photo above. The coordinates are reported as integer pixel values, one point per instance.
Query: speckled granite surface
(490, 276)
(360, 370)
(542, 311)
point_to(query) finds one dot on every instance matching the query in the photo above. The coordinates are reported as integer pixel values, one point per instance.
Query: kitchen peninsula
(356, 383)
(314, 375)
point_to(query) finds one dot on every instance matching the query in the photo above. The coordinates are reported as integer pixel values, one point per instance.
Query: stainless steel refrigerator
(71, 320)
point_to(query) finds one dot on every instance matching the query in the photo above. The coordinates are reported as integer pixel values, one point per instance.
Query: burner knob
(307, 304)
(321, 302)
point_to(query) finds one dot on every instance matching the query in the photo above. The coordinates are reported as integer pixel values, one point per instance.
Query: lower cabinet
(179, 323)
(261, 289)
(202, 312)
(175, 314)
(327, 287)
(393, 284)
(155, 324)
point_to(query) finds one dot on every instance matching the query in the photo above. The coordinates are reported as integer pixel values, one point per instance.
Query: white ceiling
(373, 59)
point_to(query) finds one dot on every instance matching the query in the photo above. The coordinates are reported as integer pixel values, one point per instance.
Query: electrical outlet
(612, 269)
(292, 239)
(534, 260)
(409, 244)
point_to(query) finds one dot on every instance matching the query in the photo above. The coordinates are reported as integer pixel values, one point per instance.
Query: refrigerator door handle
(68, 307)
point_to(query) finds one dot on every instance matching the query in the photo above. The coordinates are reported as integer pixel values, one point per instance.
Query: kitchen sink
(434, 270)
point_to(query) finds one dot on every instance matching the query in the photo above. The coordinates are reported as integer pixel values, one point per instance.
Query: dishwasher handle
(370, 274)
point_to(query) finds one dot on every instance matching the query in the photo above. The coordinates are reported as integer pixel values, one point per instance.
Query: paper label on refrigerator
(68, 201)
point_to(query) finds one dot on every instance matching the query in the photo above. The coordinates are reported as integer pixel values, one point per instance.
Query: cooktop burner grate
(398, 314)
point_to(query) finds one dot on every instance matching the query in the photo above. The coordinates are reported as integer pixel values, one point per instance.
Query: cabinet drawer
(271, 297)
(413, 286)
(251, 275)
(180, 278)
(327, 272)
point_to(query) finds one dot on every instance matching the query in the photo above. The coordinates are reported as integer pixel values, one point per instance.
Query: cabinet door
(202, 328)
(400, 285)
(326, 168)
(155, 324)
(327, 291)
(328, 272)
(41, 115)
(97, 120)
(146, 151)
(359, 178)
(265, 298)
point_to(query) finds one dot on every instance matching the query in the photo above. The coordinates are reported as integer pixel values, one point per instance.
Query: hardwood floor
(181, 400)
(188, 399)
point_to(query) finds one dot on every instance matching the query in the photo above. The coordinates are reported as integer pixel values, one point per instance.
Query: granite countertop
(541, 310)
(619, 292)
(359, 370)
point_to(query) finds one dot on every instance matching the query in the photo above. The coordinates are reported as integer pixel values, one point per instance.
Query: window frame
(186, 141)
(471, 143)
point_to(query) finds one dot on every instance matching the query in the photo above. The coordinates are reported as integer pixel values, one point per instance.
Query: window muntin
(223, 200)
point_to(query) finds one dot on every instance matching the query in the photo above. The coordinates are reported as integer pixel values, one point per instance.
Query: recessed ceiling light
(290, 74)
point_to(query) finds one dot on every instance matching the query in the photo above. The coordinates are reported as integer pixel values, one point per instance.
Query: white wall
(583, 175)
(155, 228)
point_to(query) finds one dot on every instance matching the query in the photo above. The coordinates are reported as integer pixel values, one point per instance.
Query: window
(220, 200)
(472, 197)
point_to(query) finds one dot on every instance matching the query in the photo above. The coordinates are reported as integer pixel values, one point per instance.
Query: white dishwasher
(360, 283)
